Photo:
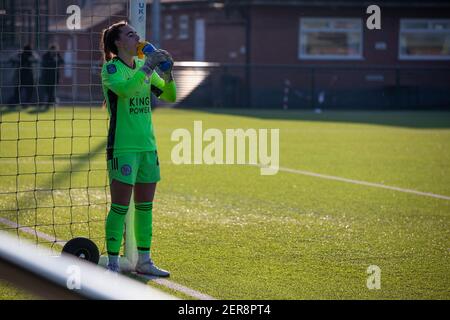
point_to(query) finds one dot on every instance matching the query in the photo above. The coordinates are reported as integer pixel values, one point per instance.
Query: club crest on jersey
(126, 170)
(111, 68)
(147, 80)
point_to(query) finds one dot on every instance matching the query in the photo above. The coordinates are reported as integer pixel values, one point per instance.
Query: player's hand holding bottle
(167, 73)
(152, 60)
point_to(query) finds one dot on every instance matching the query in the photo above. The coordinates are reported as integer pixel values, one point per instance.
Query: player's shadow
(409, 119)
(4, 110)
(38, 110)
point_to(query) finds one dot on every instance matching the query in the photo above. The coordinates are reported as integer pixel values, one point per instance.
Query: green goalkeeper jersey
(127, 93)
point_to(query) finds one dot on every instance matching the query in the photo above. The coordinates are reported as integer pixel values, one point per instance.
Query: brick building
(321, 51)
(259, 53)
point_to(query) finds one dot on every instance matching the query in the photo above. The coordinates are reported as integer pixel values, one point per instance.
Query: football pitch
(354, 189)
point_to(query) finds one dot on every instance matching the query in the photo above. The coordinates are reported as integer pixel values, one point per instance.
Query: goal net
(53, 178)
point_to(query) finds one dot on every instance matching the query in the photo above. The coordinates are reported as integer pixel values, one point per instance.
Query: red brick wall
(224, 35)
(275, 34)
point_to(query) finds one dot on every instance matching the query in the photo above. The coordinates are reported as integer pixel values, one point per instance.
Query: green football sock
(114, 228)
(143, 226)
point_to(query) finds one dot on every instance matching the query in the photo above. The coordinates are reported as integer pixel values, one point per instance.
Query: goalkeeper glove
(151, 61)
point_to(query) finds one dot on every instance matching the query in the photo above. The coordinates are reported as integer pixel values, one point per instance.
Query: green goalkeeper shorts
(134, 167)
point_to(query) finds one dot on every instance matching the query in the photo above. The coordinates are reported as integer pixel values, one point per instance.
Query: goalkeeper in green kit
(132, 157)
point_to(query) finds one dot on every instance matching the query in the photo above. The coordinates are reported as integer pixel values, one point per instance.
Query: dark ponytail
(109, 37)
(108, 45)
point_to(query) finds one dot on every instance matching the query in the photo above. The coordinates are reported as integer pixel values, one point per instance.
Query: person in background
(23, 92)
(51, 63)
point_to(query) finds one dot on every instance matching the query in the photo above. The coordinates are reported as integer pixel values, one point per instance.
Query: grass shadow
(407, 119)
(4, 110)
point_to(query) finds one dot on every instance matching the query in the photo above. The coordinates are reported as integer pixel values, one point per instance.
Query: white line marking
(360, 182)
(164, 282)
(32, 232)
(364, 183)
(303, 172)
(177, 287)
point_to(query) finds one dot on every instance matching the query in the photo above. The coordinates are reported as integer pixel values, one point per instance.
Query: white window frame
(402, 29)
(168, 32)
(303, 32)
(183, 32)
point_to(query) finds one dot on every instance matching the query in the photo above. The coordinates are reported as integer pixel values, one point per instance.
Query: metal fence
(312, 87)
(214, 85)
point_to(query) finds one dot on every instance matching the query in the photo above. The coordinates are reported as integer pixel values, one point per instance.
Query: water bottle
(145, 48)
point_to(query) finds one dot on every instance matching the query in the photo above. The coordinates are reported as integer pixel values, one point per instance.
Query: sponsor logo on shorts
(126, 170)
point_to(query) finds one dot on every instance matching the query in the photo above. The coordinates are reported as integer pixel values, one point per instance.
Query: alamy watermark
(73, 22)
(74, 277)
(374, 278)
(235, 146)
(374, 21)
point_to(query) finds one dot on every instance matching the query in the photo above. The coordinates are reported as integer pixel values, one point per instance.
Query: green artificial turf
(232, 233)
